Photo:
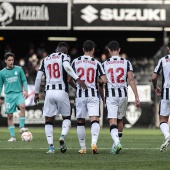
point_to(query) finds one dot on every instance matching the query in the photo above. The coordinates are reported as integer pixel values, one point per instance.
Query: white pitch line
(76, 148)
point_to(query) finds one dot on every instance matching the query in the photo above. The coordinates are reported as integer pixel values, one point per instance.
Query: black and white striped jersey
(116, 70)
(88, 69)
(56, 76)
(163, 67)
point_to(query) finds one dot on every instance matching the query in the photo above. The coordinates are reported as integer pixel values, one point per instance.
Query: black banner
(48, 15)
(105, 16)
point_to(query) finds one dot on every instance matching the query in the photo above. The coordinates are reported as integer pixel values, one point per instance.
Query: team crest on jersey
(16, 73)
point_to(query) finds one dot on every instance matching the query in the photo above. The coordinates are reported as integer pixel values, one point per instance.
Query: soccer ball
(26, 136)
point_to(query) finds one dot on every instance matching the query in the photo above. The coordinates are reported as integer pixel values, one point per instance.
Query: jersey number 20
(89, 72)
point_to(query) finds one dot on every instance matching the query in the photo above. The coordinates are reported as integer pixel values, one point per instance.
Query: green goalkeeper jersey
(13, 80)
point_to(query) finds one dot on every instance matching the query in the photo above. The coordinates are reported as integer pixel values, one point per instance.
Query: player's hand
(81, 83)
(25, 94)
(36, 99)
(158, 91)
(137, 102)
(1, 101)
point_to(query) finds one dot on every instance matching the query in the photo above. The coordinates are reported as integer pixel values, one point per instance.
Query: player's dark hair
(169, 44)
(113, 45)
(9, 54)
(88, 45)
(62, 47)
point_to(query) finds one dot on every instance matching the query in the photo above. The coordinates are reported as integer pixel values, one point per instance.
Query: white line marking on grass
(76, 148)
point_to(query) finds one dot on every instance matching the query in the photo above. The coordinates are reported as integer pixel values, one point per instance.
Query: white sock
(81, 133)
(65, 127)
(165, 129)
(49, 133)
(95, 130)
(119, 139)
(114, 135)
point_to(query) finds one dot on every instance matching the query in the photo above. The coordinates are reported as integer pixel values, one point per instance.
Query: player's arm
(102, 79)
(134, 88)
(1, 86)
(102, 76)
(157, 71)
(101, 92)
(25, 84)
(71, 72)
(154, 82)
(71, 82)
(37, 86)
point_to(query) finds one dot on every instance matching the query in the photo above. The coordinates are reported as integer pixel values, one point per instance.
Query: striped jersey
(13, 80)
(56, 76)
(116, 70)
(88, 69)
(163, 67)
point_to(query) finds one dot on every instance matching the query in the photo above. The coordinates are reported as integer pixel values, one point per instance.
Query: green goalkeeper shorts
(12, 101)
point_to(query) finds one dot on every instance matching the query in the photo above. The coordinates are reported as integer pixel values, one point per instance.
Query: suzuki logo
(89, 14)
(123, 14)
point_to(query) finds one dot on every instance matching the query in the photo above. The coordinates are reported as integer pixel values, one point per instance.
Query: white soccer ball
(26, 136)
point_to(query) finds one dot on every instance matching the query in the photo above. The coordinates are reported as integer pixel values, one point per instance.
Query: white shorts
(87, 105)
(56, 102)
(116, 107)
(164, 109)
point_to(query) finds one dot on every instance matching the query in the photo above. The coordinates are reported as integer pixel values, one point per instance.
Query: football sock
(120, 135)
(65, 127)
(12, 131)
(165, 129)
(95, 130)
(49, 133)
(81, 133)
(114, 134)
(21, 122)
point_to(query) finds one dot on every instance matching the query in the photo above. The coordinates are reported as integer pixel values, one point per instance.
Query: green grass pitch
(140, 152)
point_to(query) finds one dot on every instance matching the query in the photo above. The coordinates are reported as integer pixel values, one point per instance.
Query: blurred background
(31, 29)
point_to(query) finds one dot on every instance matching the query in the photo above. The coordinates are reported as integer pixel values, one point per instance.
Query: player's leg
(66, 125)
(20, 102)
(93, 111)
(113, 108)
(22, 119)
(10, 108)
(120, 128)
(114, 134)
(123, 102)
(81, 134)
(163, 119)
(81, 110)
(49, 111)
(165, 130)
(11, 128)
(49, 133)
(63, 104)
(95, 130)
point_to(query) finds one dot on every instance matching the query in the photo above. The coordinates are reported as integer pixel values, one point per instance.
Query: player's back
(88, 69)
(56, 76)
(116, 70)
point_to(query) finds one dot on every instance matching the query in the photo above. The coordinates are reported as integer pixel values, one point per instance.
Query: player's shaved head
(9, 54)
(62, 47)
(113, 46)
(88, 45)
